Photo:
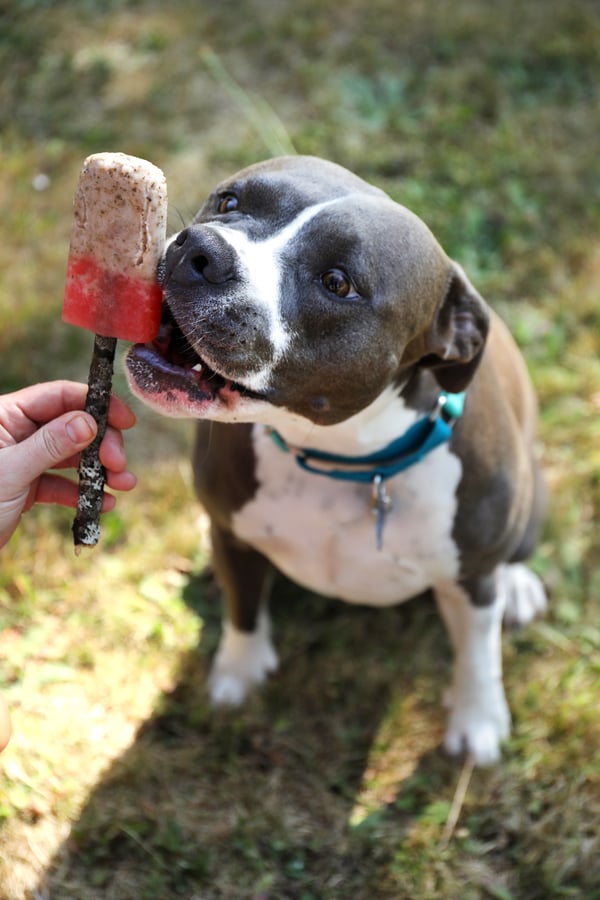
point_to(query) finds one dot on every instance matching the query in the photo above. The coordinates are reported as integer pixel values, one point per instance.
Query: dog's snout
(200, 254)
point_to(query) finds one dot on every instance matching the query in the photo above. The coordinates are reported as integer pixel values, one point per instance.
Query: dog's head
(302, 287)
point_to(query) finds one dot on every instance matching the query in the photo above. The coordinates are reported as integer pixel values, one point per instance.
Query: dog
(367, 424)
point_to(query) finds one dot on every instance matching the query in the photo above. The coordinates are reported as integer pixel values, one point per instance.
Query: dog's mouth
(170, 373)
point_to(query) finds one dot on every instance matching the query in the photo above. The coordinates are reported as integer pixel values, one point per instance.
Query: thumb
(50, 445)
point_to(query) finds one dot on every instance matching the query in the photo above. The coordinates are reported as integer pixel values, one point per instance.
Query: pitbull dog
(367, 423)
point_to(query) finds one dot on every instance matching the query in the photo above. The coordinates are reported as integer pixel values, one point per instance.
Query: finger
(112, 451)
(119, 414)
(112, 460)
(50, 445)
(71, 463)
(48, 400)
(55, 489)
(121, 481)
(62, 492)
(5, 726)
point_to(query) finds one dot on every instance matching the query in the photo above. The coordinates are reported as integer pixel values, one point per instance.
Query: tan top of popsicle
(120, 214)
(117, 241)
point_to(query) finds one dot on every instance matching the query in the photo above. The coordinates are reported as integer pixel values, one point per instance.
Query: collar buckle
(381, 505)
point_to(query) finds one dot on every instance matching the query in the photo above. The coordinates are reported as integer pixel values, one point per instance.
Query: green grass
(120, 781)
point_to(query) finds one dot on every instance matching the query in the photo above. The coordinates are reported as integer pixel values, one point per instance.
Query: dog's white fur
(311, 527)
(263, 275)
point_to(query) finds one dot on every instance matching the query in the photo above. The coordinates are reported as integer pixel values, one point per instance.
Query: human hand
(5, 726)
(43, 427)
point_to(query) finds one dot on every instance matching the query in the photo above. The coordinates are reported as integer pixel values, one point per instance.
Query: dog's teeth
(197, 367)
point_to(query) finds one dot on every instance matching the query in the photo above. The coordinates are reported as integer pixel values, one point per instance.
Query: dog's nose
(199, 254)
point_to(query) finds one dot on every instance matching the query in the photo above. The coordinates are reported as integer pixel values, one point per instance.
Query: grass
(120, 782)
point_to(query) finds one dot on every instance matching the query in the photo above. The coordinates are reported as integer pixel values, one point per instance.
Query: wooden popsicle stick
(92, 474)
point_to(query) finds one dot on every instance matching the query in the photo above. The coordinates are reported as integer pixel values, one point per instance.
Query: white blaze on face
(261, 266)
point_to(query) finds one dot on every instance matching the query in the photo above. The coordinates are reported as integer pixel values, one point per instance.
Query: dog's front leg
(246, 654)
(479, 719)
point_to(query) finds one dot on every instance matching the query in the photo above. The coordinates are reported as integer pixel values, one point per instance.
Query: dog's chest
(322, 532)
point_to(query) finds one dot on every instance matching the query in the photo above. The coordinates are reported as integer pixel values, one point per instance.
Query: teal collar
(421, 438)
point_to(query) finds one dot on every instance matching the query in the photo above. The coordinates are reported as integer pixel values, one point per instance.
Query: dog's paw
(478, 723)
(243, 661)
(523, 595)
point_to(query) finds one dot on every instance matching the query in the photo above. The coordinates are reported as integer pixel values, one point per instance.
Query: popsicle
(117, 240)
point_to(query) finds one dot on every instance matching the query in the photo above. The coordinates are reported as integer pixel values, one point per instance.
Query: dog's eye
(337, 282)
(227, 203)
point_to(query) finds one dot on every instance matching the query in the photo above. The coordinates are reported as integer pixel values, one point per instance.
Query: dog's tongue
(157, 374)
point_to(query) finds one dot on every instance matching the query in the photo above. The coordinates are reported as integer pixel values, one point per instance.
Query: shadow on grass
(258, 802)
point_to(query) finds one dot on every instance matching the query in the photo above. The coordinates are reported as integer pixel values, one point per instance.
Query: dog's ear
(455, 339)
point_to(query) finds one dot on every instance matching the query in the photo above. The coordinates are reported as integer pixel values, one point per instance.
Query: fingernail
(79, 430)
